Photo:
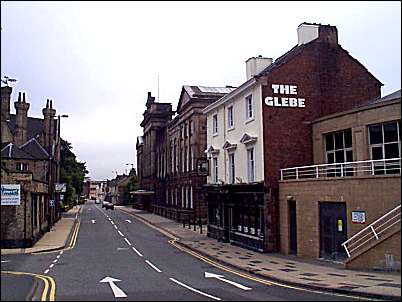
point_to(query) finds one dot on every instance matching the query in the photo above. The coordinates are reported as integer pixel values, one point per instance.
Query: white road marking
(58, 256)
(121, 234)
(46, 271)
(55, 260)
(153, 266)
(135, 250)
(128, 242)
(128, 220)
(51, 265)
(61, 252)
(115, 227)
(4, 261)
(220, 277)
(122, 248)
(117, 292)
(195, 290)
(93, 220)
(111, 221)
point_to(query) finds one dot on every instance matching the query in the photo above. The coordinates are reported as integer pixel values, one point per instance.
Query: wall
(375, 194)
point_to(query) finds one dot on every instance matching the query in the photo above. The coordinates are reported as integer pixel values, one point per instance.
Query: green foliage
(72, 172)
(131, 185)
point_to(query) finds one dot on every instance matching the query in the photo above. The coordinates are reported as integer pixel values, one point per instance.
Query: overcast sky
(98, 60)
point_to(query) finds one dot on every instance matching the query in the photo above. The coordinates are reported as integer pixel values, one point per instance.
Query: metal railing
(374, 230)
(346, 169)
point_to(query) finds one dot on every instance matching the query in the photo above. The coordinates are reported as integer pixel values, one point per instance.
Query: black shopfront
(236, 214)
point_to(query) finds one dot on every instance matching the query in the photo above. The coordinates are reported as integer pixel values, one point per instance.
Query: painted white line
(220, 277)
(51, 265)
(5, 261)
(58, 256)
(153, 266)
(121, 234)
(115, 227)
(61, 252)
(111, 221)
(128, 242)
(55, 260)
(195, 290)
(46, 271)
(135, 250)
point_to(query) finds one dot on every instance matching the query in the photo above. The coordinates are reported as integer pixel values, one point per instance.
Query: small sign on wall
(359, 217)
(10, 195)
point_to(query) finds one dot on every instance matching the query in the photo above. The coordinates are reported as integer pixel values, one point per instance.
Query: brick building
(324, 204)
(169, 150)
(265, 125)
(30, 156)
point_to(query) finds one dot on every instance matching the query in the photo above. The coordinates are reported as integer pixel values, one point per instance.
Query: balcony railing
(347, 169)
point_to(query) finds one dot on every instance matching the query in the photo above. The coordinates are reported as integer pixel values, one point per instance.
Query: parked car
(108, 205)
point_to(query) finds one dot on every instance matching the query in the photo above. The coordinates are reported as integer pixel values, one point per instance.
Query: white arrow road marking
(220, 277)
(117, 292)
(128, 220)
(153, 266)
(194, 290)
(93, 220)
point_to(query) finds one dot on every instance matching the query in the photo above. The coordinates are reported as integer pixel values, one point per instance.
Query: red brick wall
(330, 81)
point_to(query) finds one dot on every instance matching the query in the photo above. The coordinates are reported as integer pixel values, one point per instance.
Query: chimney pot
(255, 65)
(23, 97)
(51, 106)
(19, 96)
(47, 103)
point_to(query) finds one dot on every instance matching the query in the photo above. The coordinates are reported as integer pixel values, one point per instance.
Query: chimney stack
(307, 32)
(48, 125)
(255, 65)
(5, 102)
(21, 129)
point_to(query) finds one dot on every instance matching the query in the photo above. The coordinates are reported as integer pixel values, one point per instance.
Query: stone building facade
(325, 204)
(30, 156)
(169, 150)
(315, 78)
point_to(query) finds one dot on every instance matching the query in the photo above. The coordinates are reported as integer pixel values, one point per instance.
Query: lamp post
(57, 176)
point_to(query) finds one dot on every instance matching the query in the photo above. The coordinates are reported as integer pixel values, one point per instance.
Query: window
(22, 167)
(230, 117)
(338, 148)
(249, 107)
(385, 143)
(215, 169)
(191, 197)
(215, 124)
(231, 168)
(251, 164)
(182, 197)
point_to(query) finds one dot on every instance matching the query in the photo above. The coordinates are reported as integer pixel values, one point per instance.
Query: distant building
(94, 189)
(30, 157)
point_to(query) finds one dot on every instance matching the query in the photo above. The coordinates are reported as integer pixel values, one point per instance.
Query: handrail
(372, 231)
(345, 169)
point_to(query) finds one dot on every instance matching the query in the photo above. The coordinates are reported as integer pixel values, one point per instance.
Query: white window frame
(191, 197)
(215, 167)
(249, 102)
(232, 167)
(215, 129)
(251, 165)
(230, 111)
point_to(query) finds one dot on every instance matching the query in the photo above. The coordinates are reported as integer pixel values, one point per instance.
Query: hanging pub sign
(60, 187)
(202, 167)
(284, 101)
(10, 195)
(359, 217)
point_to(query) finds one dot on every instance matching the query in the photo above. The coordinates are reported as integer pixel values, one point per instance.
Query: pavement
(55, 239)
(290, 270)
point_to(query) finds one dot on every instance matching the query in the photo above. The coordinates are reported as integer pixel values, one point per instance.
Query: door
(333, 230)
(292, 227)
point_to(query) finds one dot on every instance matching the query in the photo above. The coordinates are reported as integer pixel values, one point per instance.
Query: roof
(12, 151)
(389, 97)
(34, 127)
(35, 149)
(207, 91)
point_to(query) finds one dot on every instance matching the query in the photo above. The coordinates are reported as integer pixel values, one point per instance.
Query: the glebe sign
(291, 90)
(10, 195)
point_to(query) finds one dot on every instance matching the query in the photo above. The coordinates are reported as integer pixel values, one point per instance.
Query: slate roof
(35, 149)
(207, 91)
(34, 127)
(12, 151)
(389, 97)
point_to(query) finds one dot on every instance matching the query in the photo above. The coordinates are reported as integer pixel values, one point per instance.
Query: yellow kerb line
(76, 234)
(45, 279)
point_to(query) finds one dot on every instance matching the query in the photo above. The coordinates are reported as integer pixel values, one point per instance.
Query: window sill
(249, 120)
(215, 134)
(231, 129)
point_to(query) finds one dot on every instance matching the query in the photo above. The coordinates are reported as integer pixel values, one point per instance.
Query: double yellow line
(49, 287)
(74, 236)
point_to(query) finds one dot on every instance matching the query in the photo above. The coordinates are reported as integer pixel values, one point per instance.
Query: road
(137, 263)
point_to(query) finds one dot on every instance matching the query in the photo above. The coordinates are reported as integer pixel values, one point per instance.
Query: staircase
(377, 245)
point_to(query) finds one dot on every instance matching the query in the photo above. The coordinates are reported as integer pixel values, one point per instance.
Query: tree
(72, 172)
(131, 185)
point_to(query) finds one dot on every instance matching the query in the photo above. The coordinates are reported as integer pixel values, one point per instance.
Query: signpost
(10, 195)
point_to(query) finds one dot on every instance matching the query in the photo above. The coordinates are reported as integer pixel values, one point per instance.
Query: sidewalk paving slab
(288, 269)
(56, 239)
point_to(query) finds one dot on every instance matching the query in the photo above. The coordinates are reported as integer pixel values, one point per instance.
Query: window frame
(230, 112)
(215, 129)
(251, 168)
(249, 101)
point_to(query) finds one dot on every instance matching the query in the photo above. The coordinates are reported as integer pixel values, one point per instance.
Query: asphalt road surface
(117, 259)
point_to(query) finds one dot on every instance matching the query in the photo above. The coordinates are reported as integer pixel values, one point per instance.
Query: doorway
(333, 230)
(292, 227)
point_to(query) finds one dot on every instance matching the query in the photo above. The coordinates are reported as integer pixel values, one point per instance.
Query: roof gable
(11, 151)
(35, 149)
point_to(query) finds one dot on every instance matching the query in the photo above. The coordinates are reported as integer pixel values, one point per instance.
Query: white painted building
(234, 131)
